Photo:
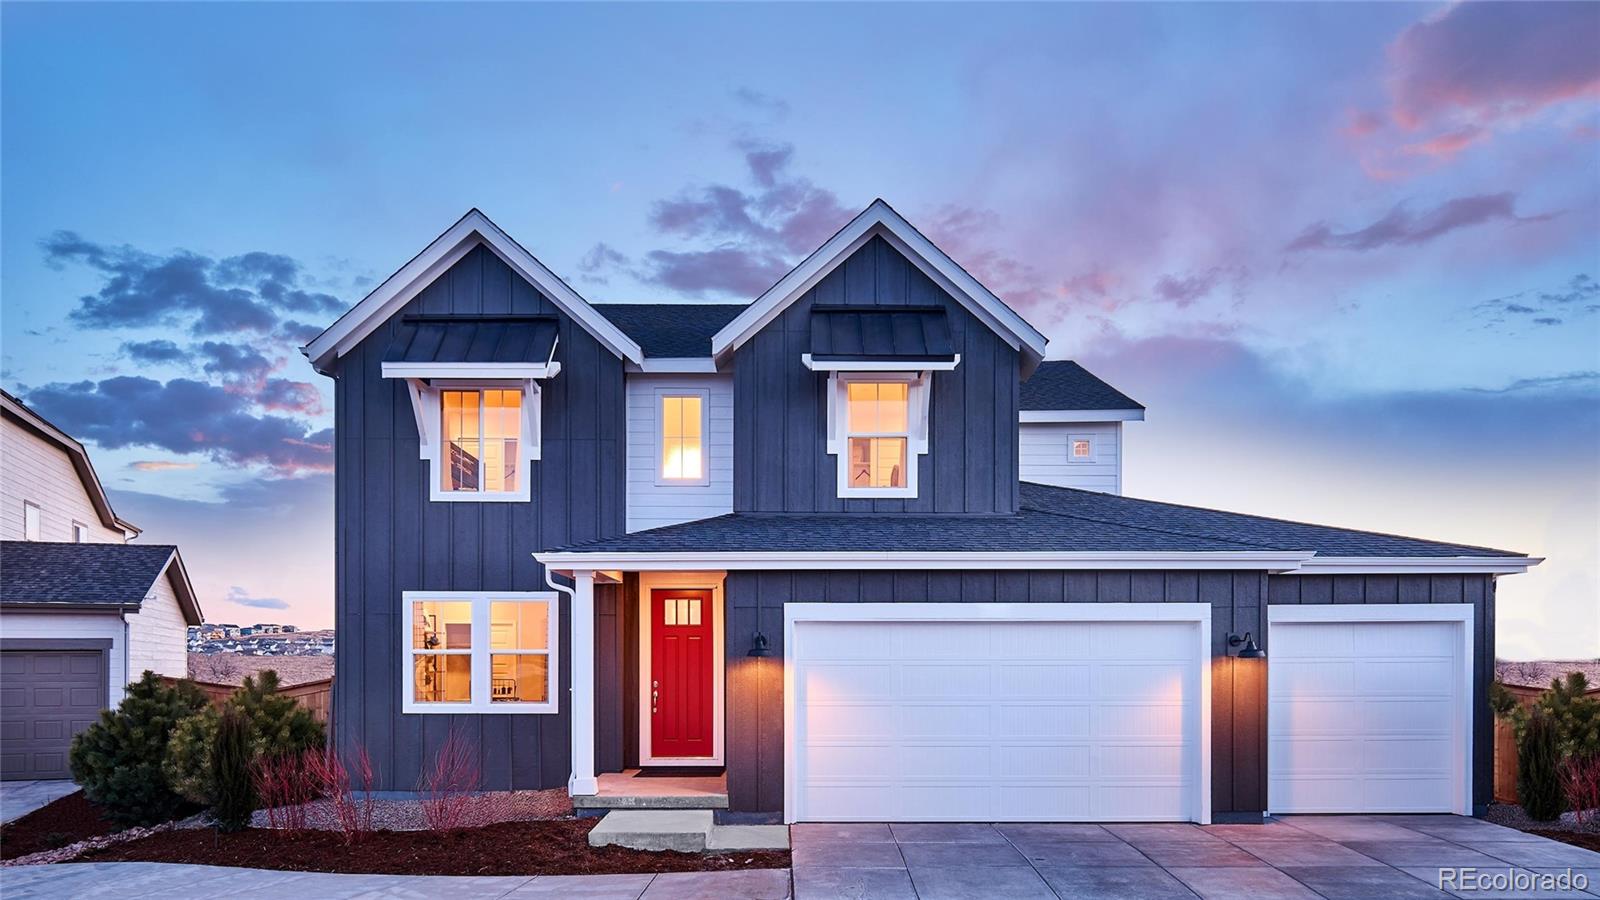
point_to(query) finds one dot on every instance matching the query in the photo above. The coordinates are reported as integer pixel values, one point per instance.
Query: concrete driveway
(1333, 857)
(18, 798)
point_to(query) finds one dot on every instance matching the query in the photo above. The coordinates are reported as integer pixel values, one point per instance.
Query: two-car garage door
(1002, 718)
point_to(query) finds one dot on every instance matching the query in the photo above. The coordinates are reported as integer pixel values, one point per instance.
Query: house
(858, 544)
(82, 610)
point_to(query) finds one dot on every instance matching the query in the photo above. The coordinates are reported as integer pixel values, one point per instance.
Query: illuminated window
(1080, 448)
(32, 521)
(681, 428)
(474, 652)
(878, 433)
(482, 430)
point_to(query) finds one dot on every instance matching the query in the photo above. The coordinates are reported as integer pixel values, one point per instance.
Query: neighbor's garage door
(46, 697)
(996, 721)
(1366, 717)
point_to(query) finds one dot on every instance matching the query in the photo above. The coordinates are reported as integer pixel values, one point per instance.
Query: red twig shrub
(286, 782)
(1580, 781)
(447, 785)
(350, 795)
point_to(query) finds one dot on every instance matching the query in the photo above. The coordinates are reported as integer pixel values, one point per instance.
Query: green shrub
(1539, 768)
(118, 760)
(230, 771)
(277, 725)
(1576, 717)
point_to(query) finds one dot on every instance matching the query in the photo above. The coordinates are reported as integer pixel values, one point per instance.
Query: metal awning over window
(448, 346)
(866, 338)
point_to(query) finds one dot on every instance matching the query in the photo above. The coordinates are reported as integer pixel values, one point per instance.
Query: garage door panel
(1055, 762)
(1300, 677)
(1040, 680)
(1380, 639)
(849, 720)
(1407, 757)
(1133, 802)
(826, 681)
(937, 641)
(942, 721)
(1033, 801)
(1325, 639)
(1407, 676)
(1129, 720)
(944, 681)
(50, 695)
(1139, 761)
(1060, 722)
(1043, 640)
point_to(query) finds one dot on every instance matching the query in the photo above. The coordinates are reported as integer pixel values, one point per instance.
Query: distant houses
(261, 639)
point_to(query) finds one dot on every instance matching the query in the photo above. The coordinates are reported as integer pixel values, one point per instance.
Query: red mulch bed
(548, 847)
(57, 824)
(1582, 839)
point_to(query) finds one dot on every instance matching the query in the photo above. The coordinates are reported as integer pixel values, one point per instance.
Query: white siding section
(1045, 449)
(32, 468)
(74, 626)
(157, 634)
(652, 505)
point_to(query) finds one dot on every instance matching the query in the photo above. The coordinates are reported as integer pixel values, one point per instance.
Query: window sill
(878, 494)
(478, 709)
(479, 497)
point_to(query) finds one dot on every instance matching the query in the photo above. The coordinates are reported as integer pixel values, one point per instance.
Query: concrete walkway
(1295, 858)
(18, 798)
(180, 882)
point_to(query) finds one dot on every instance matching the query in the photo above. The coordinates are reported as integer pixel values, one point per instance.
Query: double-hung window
(480, 652)
(879, 429)
(482, 431)
(681, 437)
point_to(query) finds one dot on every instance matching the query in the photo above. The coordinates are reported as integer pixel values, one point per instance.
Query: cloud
(161, 465)
(154, 352)
(1400, 227)
(970, 237)
(1446, 146)
(234, 362)
(298, 333)
(776, 107)
(284, 395)
(601, 258)
(243, 293)
(184, 416)
(1582, 288)
(1576, 298)
(729, 269)
(1183, 292)
(242, 597)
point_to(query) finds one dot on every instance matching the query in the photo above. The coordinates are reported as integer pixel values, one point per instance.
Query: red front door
(681, 692)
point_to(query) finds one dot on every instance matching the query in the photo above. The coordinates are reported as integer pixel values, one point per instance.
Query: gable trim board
(446, 250)
(32, 421)
(1080, 415)
(880, 220)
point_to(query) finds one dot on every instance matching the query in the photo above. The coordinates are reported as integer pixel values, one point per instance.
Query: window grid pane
(519, 678)
(682, 454)
(442, 677)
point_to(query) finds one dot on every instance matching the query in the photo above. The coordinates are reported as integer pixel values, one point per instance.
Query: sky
(1346, 254)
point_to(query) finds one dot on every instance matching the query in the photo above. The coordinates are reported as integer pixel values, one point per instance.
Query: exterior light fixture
(759, 648)
(1249, 650)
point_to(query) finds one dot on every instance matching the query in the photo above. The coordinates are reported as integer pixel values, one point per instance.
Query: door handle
(655, 695)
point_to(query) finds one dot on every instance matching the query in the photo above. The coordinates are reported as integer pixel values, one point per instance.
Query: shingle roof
(93, 575)
(879, 333)
(1051, 519)
(1063, 384)
(475, 339)
(671, 329)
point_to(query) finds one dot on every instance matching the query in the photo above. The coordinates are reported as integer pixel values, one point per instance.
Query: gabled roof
(880, 220)
(14, 410)
(447, 249)
(1064, 385)
(671, 330)
(91, 576)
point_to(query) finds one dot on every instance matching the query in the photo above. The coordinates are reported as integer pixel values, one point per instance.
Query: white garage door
(1366, 717)
(996, 720)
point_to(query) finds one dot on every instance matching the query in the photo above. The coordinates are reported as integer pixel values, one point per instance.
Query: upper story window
(879, 430)
(32, 521)
(482, 431)
(80, 533)
(480, 652)
(681, 437)
(1080, 448)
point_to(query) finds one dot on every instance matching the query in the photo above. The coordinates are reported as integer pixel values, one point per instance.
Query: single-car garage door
(996, 719)
(1366, 716)
(46, 697)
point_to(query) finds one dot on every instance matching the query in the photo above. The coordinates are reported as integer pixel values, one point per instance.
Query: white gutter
(682, 561)
(1418, 565)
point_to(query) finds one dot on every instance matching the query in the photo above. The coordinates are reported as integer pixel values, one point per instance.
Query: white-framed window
(480, 652)
(682, 420)
(80, 533)
(879, 428)
(480, 437)
(32, 521)
(1080, 448)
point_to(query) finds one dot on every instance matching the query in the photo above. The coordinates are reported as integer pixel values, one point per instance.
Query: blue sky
(1345, 253)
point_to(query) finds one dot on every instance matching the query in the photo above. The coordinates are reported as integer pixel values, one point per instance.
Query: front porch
(631, 790)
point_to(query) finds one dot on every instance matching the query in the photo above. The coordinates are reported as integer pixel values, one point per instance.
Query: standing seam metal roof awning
(474, 339)
(881, 333)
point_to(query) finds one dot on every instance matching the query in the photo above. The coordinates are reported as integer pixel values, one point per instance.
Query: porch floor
(625, 790)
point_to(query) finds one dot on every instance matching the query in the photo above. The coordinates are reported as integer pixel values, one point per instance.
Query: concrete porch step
(683, 830)
(650, 801)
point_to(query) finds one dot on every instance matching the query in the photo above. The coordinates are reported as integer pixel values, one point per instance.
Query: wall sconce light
(759, 648)
(1249, 650)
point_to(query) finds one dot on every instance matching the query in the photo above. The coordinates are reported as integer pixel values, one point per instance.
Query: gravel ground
(406, 815)
(1512, 816)
(73, 851)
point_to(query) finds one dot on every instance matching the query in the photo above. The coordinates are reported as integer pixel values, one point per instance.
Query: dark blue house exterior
(858, 545)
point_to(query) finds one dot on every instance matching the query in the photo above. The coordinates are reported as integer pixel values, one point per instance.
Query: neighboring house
(805, 539)
(82, 611)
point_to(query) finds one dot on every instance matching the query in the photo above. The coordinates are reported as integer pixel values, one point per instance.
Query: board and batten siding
(755, 686)
(158, 636)
(651, 503)
(391, 538)
(36, 470)
(781, 463)
(1046, 457)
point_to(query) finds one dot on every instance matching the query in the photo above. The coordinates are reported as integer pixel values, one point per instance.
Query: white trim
(1122, 452)
(1080, 415)
(699, 581)
(1274, 561)
(582, 781)
(879, 219)
(1462, 614)
(518, 371)
(430, 429)
(676, 365)
(659, 395)
(919, 390)
(480, 653)
(1414, 565)
(32, 526)
(867, 365)
(446, 250)
(1198, 613)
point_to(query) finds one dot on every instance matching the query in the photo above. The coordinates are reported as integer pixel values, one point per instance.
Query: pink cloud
(1447, 145)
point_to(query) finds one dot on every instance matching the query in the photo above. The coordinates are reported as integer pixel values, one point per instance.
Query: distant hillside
(231, 668)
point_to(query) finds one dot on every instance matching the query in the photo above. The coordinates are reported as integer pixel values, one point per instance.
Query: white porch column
(582, 781)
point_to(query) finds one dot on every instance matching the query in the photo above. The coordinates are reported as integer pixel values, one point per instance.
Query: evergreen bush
(1539, 768)
(230, 771)
(278, 725)
(118, 760)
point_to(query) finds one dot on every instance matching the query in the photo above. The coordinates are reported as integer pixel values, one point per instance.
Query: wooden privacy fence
(315, 696)
(1505, 762)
